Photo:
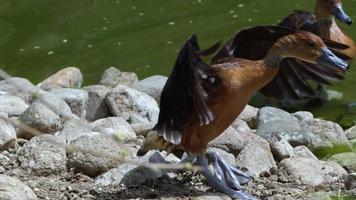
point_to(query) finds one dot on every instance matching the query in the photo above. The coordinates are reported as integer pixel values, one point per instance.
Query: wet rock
(43, 155)
(76, 99)
(256, 158)
(96, 106)
(249, 115)
(282, 150)
(12, 105)
(114, 126)
(304, 152)
(303, 115)
(7, 134)
(136, 107)
(312, 172)
(330, 137)
(95, 154)
(350, 182)
(70, 77)
(212, 196)
(19, 87)
(12, 188)
(39, 117)
(73, 129)
(228, 157)
(347, 160)
(113, 77)
(351, 133)
(152, 86)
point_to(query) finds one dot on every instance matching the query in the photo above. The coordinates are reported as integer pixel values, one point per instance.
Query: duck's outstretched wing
(301, 20)
(187, 91)
(292, 81)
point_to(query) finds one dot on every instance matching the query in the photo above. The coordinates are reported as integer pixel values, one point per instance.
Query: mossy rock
(333, 148)
(347, 160)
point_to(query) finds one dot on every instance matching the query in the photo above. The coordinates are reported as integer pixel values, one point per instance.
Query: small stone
(76, 99)
(7, 134)
(12, 105)
(304, 152)
(19, 87)
(95, 154)
(135, 107)
(70, 77)
(96, 106)
(12, 188)
(347, 160)
(115, 126)
(43, 155)
(303, 115)
(249, 115)
(152, 86)
(351, 133)
(240, 126)
(313, 172)
(113, 77)
(282, 150)
(256, 158)
(73, 129)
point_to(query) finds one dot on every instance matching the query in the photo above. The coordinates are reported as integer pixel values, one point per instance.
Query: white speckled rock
(13, 189)
(7, 134)
(282, 150)
(152, 86)
(114, 126)
(113, 77)
(249, 115)
(73, 129)
(12, 105)
(19, 87)
(69, 77)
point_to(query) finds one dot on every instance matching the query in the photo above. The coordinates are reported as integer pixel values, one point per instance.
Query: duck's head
(308, 47)
(328, 8)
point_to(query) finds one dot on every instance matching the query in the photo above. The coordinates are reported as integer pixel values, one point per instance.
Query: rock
(73, 129)
(114, 126)
(249, 115)
(350, 182)
(353, 144)
(240, 126)
(114, 176)
(347, 160)
(320, 196)
(70, 77)
(113, 77)
(228, 157)
(256, 158)
(96, 106)
(95, 154)
(304, 152)
(134, 106)
(230, 140)
(152, 86)
(282, 150)
(12, 188)
(312, 172)
(19, 87)
(212, 196)
(55, 103)
(303, 115)
(330, 137)
(12, 105)
(76, 99)
(7, 134)
(351, 133)
(43, 155)
(41, 118)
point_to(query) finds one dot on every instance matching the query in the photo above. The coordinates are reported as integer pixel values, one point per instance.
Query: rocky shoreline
(59, 140)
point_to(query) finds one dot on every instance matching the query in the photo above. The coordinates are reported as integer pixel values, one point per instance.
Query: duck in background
(199, 101)
(290, 86)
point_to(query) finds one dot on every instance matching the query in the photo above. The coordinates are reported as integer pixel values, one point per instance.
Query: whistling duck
(199, 101)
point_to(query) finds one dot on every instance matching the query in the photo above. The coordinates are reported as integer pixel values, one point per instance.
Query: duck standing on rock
(200, 101)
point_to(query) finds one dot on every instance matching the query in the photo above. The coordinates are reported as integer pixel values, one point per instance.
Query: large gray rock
(152, 86)
(12, 188)
(96, 106)
(256, 158)
(115, 126)
(347, 160)
(43, 155)
(113, 77)
(95, 154)
(19, 87)
(351, 133)
(135, 107)
(249, 115)
(76, 99)
(12, 105)
(70, 77)
(7, 134)
(313, 172)
(330, 137)
(73, 129)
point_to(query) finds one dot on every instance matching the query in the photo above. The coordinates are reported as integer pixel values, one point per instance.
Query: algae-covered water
(38, 37)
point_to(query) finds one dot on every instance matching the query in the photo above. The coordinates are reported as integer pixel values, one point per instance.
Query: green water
(38, 37)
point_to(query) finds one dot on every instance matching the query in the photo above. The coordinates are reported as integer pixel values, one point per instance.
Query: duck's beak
(330, 59)
(340, 14)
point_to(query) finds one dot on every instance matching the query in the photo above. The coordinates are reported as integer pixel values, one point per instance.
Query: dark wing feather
(291, 82)
(186, 92)
(301, 20)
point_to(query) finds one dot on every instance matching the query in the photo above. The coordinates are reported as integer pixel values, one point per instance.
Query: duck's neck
(277, 52)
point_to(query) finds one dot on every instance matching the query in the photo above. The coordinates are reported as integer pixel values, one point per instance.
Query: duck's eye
(311, 44)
